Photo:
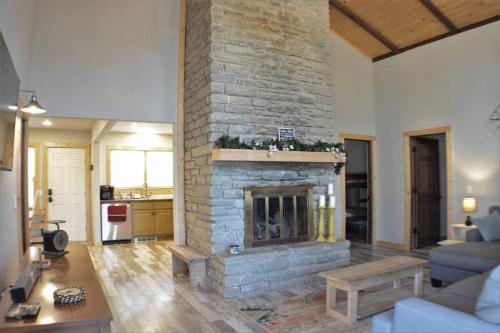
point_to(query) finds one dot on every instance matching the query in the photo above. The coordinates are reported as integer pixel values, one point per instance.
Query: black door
(425, 192)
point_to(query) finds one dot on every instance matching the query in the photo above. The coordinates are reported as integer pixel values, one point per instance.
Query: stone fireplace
(278, 215)
(250, 68)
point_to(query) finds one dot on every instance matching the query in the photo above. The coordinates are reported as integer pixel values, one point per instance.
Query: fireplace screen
(278, 215)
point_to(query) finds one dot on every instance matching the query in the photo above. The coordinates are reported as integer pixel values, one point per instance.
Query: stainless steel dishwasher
(116, 222)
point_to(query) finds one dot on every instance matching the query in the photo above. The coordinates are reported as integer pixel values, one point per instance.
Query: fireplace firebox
(276, 215)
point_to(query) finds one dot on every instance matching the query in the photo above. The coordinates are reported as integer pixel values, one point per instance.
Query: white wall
(16, 24)
(353, 97)
(353, 89)
(16, 17)
(41, 135)
(455, 82)
(107, 59)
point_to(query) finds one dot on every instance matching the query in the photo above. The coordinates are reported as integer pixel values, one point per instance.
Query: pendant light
(33, 106)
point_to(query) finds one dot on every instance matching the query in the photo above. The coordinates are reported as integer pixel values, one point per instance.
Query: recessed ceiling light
(140, 129)
(12, 107)
(47, 123)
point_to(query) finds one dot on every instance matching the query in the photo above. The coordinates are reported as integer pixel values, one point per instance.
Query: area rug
(302, 313)
(293, 314)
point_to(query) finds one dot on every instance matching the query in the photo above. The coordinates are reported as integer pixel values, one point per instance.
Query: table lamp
(469, 206)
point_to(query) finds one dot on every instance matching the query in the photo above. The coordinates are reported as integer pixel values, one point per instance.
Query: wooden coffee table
(355, 278)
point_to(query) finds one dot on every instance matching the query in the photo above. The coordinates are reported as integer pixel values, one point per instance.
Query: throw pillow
(489, 226)
(488, 302)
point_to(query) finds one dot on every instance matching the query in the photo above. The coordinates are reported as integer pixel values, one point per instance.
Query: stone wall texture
(270, 68)
(251, 67)
(197, 129)
(260, 270)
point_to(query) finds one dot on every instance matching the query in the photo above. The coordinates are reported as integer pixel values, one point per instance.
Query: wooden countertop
(74, 269)
(135, 200)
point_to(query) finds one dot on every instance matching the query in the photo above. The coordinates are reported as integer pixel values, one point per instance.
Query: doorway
(66, 190)
(428, 190)
(358, 188)
(428, 180)
(137, 158)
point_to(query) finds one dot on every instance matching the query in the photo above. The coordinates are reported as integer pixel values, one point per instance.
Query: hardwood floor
(144, 297)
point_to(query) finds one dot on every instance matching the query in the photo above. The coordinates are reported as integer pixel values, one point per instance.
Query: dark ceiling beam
(436, 38)
(368, 28)
(440, 16)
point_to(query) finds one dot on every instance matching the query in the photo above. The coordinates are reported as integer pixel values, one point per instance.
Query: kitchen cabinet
(153, 219)
(143, 223)
(163, 222)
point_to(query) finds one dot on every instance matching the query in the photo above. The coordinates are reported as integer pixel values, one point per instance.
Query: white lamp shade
(469, 205)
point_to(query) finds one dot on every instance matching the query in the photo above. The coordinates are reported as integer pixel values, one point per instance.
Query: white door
(66, 183)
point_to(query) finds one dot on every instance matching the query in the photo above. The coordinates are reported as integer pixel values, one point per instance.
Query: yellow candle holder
(331, 226)
(321, 227)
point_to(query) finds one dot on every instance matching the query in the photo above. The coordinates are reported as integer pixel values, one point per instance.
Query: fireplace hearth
(277, 215)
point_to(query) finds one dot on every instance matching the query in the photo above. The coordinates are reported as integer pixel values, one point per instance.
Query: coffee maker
(107, 192)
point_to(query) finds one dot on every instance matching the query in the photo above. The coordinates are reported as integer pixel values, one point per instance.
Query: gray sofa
(450, 310)
(452, 263)
(466, 265)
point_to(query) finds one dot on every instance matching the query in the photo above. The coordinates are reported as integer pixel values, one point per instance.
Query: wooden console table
(74, 269)
(355, 278)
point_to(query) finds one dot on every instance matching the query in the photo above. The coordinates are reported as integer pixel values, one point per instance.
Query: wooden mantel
(247, 155)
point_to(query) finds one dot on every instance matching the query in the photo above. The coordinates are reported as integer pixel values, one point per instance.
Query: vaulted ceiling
(383, 28)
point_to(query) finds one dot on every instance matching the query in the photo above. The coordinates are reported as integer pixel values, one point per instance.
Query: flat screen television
(9, 90)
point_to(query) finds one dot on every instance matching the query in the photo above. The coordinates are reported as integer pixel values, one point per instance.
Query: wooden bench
(360, 277)
(188, 260)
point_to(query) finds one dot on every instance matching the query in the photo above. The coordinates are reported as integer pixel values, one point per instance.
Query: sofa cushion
(489, 226)
(468, 288)
(455, 302)
(488, 303)
(382, 323)
(475, 257)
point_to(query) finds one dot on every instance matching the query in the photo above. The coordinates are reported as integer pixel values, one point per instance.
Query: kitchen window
(134, 168)
(159, 169)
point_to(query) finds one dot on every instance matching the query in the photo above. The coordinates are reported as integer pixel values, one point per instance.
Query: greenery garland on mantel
(272, 145)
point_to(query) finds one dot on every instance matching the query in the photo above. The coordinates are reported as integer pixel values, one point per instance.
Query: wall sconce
(469, 206)
(33, 106)
(495, 117)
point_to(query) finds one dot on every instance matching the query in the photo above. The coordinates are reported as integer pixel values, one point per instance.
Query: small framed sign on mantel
(285, 134)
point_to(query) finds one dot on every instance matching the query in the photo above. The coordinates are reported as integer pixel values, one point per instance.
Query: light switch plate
(14, 201)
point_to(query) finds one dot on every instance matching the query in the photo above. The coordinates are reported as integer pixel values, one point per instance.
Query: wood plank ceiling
(384, 28)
